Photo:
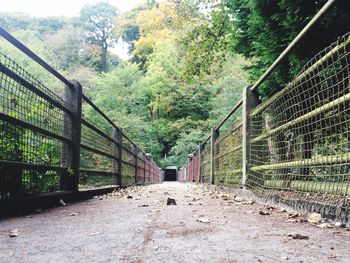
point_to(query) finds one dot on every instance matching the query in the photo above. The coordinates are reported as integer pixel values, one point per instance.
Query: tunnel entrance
(170, 173)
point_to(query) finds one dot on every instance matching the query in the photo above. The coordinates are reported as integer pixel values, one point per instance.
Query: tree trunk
(104, 57)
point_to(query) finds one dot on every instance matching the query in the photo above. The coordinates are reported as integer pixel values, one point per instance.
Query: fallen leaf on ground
(204, 220)
(325, 225)
(95, 234)
(249, 202)
(14, 233)
(293, 215)
(263, 213)
(297, 236)
(314, 218)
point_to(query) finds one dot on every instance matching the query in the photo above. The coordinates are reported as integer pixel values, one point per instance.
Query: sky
(45, 8)
(57, 7)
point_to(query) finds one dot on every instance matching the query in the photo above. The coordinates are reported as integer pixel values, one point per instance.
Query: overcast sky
(57, 7)
(65, 8)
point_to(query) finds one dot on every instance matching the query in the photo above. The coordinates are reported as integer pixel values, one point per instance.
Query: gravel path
(202, 227)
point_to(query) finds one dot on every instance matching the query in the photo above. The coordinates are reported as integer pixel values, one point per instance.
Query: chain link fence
(59, 141)
(294, 147)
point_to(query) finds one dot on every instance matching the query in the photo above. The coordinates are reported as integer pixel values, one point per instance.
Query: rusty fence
(292, 148)
(52, 141)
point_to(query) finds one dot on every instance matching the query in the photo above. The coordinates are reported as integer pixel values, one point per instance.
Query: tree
(264, 28)
(98, 23)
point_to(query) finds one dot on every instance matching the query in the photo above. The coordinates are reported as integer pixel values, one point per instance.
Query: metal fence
(294, 147)
(55, 141)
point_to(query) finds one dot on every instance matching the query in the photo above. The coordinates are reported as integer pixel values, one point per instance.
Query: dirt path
(145, 229)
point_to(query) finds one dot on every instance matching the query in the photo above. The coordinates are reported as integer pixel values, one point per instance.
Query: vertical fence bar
(70, 155)
(144, 169)
(200, 163)
(250, 101)
(135, 163)
(117, 136)
(214, 136)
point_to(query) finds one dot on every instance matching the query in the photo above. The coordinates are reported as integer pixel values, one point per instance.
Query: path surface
(145, 229)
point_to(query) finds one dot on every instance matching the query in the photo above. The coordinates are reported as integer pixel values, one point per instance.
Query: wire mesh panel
(205, 160)
(52, 137)
(228, 157)
(99, 149)
(300, 138)
(31, 134)
(129, 151)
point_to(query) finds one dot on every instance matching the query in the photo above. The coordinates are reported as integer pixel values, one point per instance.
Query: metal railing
(59, 141)
(294, 147)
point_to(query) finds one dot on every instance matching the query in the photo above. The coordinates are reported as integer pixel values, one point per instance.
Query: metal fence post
(70, 154)
(117, 136)
(144, 170)
(135, 163)
(200, 163)
(214, 136)
(250, 101)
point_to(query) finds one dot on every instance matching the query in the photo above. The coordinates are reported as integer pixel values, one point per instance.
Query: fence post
(214, 136)
(144, 169)
(117, 136)
(200, 163)
(70, 155)
(250, 101)
(135, 163)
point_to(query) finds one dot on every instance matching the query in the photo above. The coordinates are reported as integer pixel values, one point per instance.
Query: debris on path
(171, 201)
(14, 233)
(205, 226)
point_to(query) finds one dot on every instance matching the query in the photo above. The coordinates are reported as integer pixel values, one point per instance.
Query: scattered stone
(325, 225)
(155, 247)
(170, 201)
(73, 214)
(263, 213)
(339, 225)
(129, 197)
(62, 203)
(297, 236)
(203, 220)
(332, 256)
(238, 199)
(144, 205)
(268, 207)
(100, 197)
(282, 210)
(285, 258)
(14, 233)
(314, 218)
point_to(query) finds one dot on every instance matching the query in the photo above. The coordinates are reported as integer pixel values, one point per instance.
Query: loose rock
(14, 233)
(171, 201)
(314, 218)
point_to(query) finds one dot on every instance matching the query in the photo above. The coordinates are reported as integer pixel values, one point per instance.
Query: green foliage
(156, 97)
(264, 28)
